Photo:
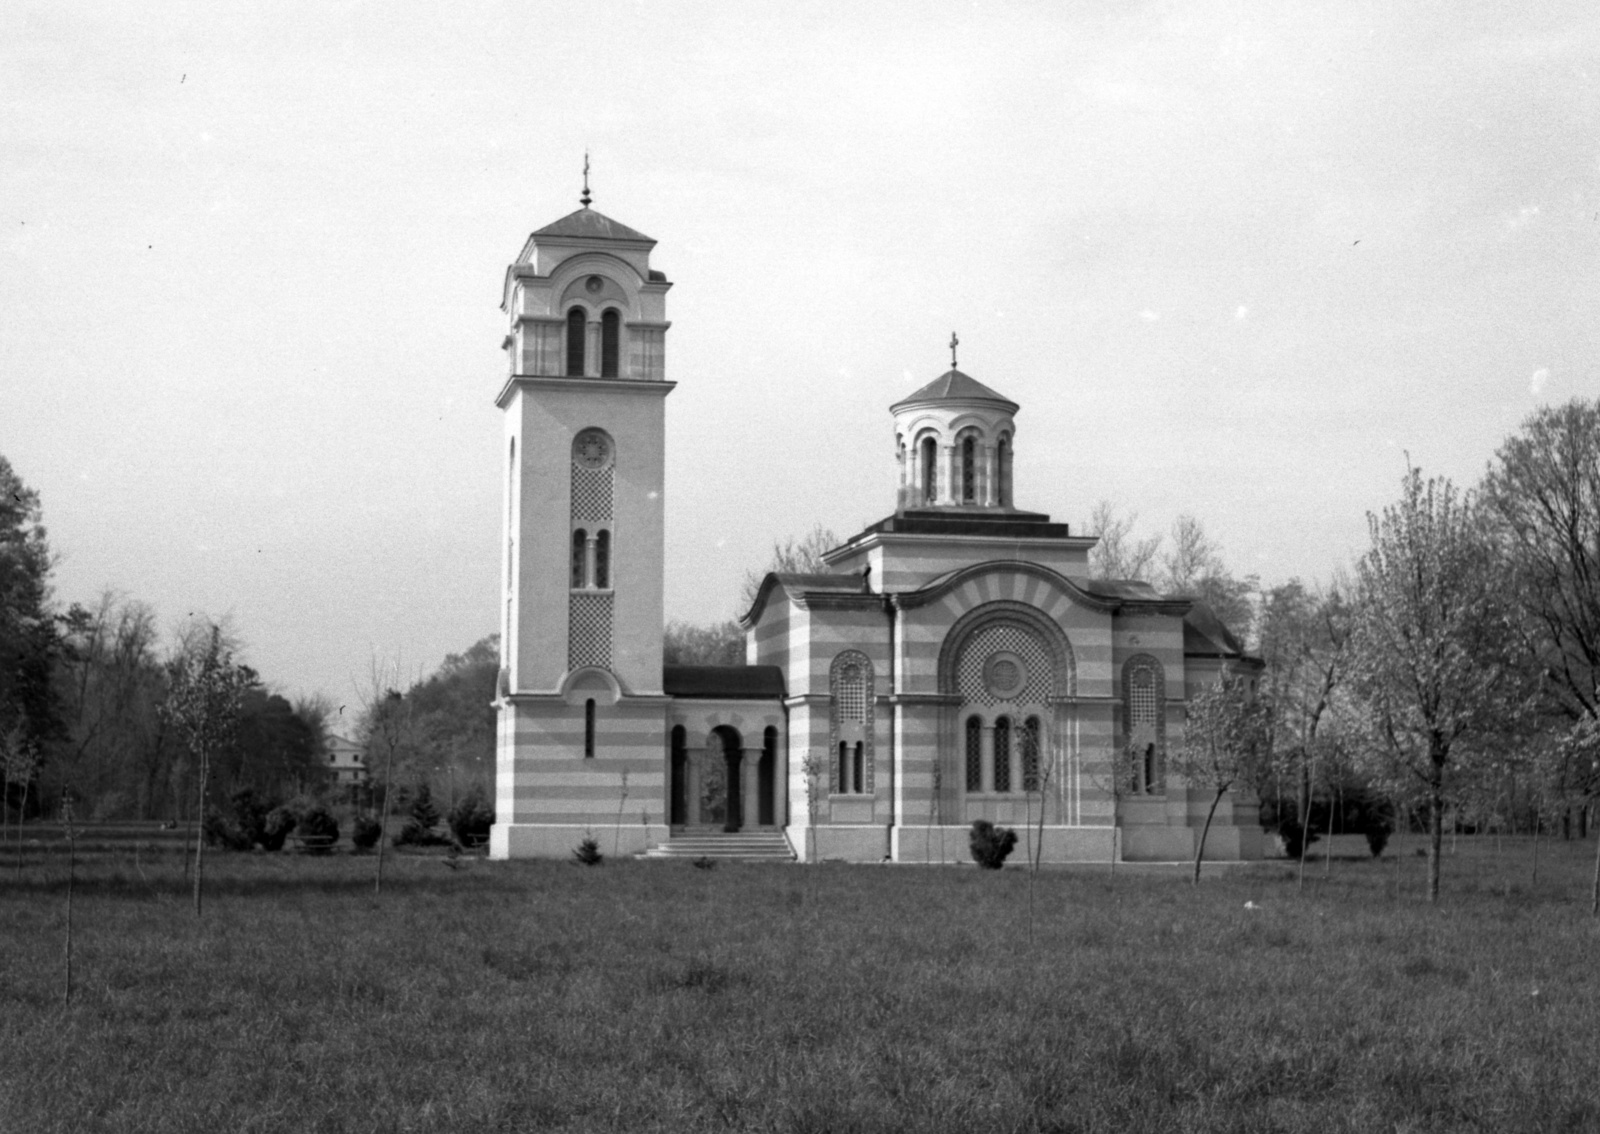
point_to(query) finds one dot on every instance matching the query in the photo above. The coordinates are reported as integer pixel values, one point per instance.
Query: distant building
(955, 662)
(346, 761)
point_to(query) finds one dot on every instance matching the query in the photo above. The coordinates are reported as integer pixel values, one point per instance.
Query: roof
(996, 523)
(590, 225)
(1205, 635)
(724, 682)
(1134, 589)
(953, 385)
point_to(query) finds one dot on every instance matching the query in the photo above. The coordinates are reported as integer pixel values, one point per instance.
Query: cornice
(553, 382)
(907, 600)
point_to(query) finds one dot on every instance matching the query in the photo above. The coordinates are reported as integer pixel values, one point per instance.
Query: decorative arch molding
(963, 575)
(590, 683)
(1064, 666)
(595, 263)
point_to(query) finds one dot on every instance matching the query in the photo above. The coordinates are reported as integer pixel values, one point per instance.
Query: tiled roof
(953, 385)
(1206, 636)
(728, 682)
(1122, 589)
(588, 224)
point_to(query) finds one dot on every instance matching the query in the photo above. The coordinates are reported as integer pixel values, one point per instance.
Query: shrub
(1295, 837)
(1377, 838)
(365, 832)
(422, 808)
(275, 828)
(588, 852)
(221, 831)
(991, 845)
(471, 817)
(414, 834)
(319, 821)
(249, 815)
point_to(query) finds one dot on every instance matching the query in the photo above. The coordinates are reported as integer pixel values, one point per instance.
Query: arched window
(974, 754)
(930, 470)
(1144, 696)
(588, 729)
(969, 469)
(576, 329)
(602, 559)
(610, 342)
(580, 552)
(1002, 754)
(1002, 473)
(1030, 754)
(850, 685)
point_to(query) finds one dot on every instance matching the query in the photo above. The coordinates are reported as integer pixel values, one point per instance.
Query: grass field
(655, 996)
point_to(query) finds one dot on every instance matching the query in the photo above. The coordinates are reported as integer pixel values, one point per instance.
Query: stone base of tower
(560, 840)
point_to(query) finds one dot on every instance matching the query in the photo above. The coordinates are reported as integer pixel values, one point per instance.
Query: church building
(954, 662)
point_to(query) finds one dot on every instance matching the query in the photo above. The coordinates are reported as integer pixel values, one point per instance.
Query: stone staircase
(755, 846)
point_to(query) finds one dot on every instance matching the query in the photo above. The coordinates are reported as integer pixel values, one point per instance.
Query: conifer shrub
(365, 832)
(316, 822)
(471, 818)
(588, 852)
(418, 829)
(1377, 837)
(1295, 837)
(990, 845)
(275, 828)
(422, 808)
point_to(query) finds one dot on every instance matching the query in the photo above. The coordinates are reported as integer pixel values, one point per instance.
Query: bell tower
(580, 701)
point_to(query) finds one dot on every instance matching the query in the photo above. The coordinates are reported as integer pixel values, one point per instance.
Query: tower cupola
(953, 442)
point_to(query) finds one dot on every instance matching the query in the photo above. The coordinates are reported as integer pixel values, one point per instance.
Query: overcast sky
(1232, 259)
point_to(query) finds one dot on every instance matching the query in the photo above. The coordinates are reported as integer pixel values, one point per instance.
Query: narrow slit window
(844, 766)
(969, 475)
(576, 328)
(610, 342)
(1002, 754)
(602, 559)
(930, 471)
(856, 768)
(974, 754)
(1002, 472)
(580, 547)
(588, 729)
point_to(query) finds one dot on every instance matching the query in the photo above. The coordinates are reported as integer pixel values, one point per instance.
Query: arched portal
(720, 783)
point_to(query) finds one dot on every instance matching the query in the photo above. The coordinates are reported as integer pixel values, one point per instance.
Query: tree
(1193, 566)
(390, 734)
(1544, 492)
(1227, 735)
(792, 556)
(1428, 647)
(30, 642)
(1118, 554)
(720, 643)
(204, 691)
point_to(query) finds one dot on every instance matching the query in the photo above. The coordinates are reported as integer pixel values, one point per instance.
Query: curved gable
(1015, 580)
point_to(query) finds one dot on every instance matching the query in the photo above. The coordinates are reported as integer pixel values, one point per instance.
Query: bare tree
(388, 722)
(791, 556)
(1120, 554)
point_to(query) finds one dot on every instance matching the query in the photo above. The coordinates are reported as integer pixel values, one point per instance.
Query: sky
(1233, 259)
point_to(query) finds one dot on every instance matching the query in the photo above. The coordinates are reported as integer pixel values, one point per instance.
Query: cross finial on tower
(954, 342)
(585, 198)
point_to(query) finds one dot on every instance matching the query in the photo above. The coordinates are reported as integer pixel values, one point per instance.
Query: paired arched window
(930, 470)
(610, 342)
(1002, 754)
(969, 469)
(576, 329)
(974, 753)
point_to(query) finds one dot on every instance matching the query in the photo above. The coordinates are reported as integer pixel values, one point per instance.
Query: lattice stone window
(589, 629)
(1144, 722)
(1005, 662)
(850, 681)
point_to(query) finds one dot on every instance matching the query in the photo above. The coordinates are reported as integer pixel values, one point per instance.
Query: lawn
(657, 996)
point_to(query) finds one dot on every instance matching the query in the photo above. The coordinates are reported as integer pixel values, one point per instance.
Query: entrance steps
(762, 846)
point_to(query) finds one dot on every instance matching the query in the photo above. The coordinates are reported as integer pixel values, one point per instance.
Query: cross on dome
(585, 199)
(954, 342)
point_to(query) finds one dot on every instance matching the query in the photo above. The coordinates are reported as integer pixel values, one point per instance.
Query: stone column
(588, 558)
(990, 479)
(750, 788)
(591, 354)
